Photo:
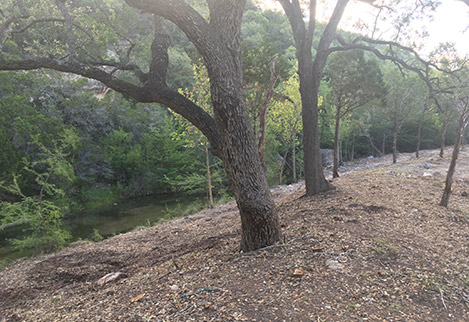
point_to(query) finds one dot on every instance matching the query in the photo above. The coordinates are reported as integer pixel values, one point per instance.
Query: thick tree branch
(162, 94)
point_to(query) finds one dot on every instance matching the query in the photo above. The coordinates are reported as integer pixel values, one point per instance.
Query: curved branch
(161, 94)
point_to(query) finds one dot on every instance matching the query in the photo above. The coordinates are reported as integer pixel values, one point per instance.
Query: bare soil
(377, 248)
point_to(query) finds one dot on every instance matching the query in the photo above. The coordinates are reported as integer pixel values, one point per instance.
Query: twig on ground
(442, 299)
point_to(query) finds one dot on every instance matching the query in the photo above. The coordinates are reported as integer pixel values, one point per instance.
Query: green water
(109, 221)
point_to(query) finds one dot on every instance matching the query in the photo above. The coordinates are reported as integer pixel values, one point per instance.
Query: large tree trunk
(443, 137)
(452, 167)
(335, 168)
(260, 226)
(309, 89)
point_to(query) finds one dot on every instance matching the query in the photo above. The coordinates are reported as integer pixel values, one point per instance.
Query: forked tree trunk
(310, 75)
(335, 167)
(452, 167)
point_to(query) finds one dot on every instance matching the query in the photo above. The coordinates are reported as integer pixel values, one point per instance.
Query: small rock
(174, 288)
(334, 264)
(110, 278)
(428, 165)
(412, 211)
(427, 174)
(298, 272)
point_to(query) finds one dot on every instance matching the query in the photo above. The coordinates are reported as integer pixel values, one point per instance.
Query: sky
(450, 22)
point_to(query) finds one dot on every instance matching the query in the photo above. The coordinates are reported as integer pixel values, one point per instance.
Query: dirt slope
(378, 248)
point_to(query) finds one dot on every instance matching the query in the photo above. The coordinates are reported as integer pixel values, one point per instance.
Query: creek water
(107, 220)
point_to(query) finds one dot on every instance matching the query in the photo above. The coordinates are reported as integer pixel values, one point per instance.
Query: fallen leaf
(138, 298)
(207, 305)
(317, 249)
(298, 272)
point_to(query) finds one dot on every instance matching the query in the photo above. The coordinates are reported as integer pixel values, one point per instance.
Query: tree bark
(452, 167)
(335, 168)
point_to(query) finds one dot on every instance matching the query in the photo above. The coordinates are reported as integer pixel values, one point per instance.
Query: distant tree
(354, 82)
(285, 122)
(311, 69)
(403, 95)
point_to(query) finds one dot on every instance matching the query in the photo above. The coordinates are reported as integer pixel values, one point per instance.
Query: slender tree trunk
(282, 166)
(394, 143)
(452, 167)
(373, 147)
(419, 132)
(353, 148)
(265, 105)
(209, 175)
(419, 138)
(335, 167)
(293, 152)
(383, 146)
(443, 137)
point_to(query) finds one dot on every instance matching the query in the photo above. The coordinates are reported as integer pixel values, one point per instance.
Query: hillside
(378, 248)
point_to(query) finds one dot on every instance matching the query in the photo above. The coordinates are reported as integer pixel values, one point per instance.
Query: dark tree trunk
(443, 137)
(452, 167)
(335, 168)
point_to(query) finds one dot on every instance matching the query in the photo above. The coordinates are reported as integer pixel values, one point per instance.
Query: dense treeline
(75, 143)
